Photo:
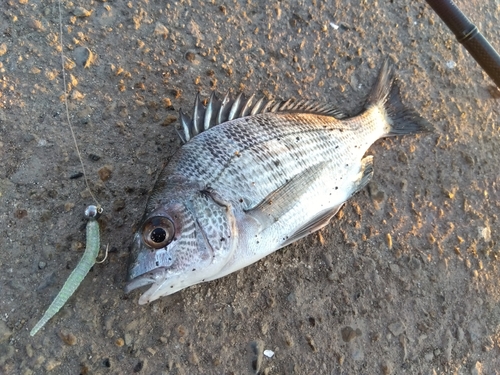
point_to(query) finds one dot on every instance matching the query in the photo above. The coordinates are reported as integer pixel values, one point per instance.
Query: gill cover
(182, 245)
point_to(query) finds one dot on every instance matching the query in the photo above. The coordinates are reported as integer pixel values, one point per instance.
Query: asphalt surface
(405, 280)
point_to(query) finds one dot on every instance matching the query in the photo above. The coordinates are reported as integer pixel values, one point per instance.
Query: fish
(253, 176)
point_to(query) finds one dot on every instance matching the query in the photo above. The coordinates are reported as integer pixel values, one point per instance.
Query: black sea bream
(253, 177)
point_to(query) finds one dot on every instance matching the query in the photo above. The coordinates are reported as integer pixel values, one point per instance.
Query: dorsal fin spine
(256, 107)
(247, 107)
(219, 111)
(234, 108)
(185, 120)
(221, 116)
(196, 115)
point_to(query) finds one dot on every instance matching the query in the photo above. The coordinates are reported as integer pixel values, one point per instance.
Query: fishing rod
(468, 35)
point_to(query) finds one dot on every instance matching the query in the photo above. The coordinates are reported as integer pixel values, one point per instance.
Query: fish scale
(318, 138)
(243, 186)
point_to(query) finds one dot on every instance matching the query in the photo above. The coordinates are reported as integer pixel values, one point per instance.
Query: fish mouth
(155, 277)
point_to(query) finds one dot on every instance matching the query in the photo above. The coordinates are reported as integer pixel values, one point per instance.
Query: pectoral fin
(281, 200)
(312, 226)
(323, 218)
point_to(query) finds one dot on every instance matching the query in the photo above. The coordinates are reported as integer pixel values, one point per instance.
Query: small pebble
(69, 64)
(321, 239)
(190, 56)
(169, 120)
(77, 95)
(76, 175)
(311, 343)
(72, 81)
(488, 344)
(451, 64)
(291, 298)
(394, 268)
(288, 339)
(268, 353)
(3, 49)
(29, 350)
(36, 25)
(477, 369)
(138, 367)
(20, 213)
(119, 342)
(387, 367)
(332, 276)
(118, 205)
(485, 233)
(42, 265)
(194, 359)
(105, 173)
(415, 265)
(182, 331)
(349, 334)
(264, 328)
(68, 338)
(388, 239)
(51, 365)
(167, 103)
(5, 331)
(341, 360)
(94, 157)
(161, 30)
(396, 328)
(68, 206)
(128, 339)
(81, 12)
(83, 56)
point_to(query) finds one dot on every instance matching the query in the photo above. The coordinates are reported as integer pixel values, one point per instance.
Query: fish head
(163, 249)
(177, 246)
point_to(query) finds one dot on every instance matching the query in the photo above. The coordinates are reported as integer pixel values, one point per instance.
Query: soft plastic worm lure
(81, 270)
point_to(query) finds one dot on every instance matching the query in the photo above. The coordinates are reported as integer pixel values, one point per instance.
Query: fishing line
(67, 110)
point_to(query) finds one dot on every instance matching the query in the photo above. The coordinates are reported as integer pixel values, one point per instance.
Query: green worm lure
(76, 277)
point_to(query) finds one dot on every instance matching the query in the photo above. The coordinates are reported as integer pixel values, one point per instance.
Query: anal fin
(365, 173)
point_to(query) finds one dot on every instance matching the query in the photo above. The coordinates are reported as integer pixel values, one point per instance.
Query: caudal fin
(385, 95)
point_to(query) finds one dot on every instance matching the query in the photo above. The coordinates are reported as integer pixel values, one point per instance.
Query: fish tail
(386, 96)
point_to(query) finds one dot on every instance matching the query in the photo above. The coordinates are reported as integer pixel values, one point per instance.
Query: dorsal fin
(219, 111)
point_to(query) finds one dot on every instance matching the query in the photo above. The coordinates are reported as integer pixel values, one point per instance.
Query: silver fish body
(253, 178)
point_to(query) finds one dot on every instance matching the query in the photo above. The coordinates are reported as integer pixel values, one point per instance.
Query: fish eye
(158, 232)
